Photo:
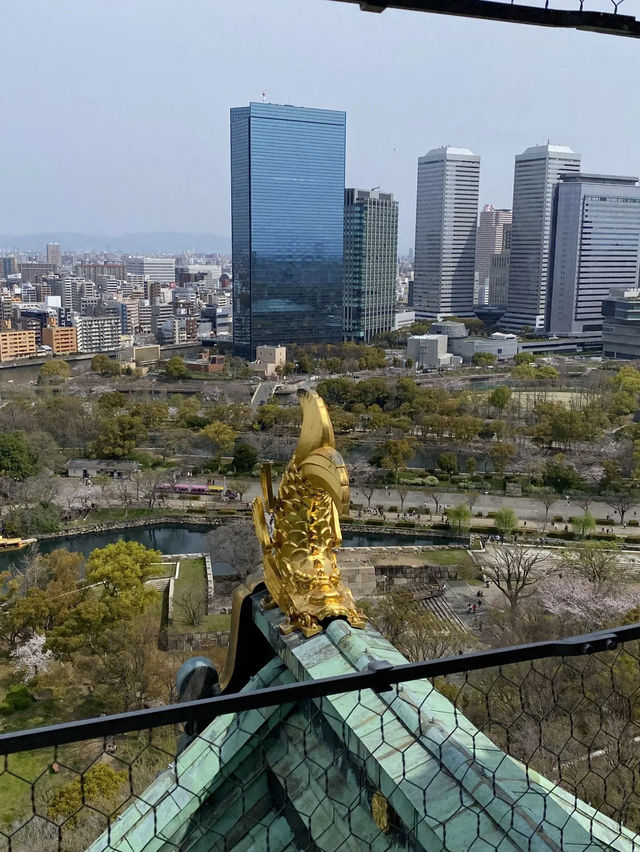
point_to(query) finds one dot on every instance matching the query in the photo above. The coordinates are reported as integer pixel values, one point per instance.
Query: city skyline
(127, 109)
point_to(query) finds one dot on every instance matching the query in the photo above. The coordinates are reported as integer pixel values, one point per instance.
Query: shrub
(634, 522)
(557, 519)
(406, 524)
(17, 698)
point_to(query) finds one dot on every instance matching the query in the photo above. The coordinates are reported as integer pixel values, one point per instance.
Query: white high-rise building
(446, 222)
(491, 223)
(537, 171)
(54, 254)
(160, 269)
(97, 334)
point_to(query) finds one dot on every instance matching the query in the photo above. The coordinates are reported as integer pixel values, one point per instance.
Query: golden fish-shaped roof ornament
(299, 529)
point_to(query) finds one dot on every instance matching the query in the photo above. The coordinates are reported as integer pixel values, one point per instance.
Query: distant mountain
(155, 242)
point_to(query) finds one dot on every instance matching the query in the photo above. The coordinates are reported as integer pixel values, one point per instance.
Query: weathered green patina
(303, 776)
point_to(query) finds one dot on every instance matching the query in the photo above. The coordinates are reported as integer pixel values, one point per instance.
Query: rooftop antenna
(264, 95)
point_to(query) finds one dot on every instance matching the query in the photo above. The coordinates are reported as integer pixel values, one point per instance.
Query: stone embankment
(112, 526)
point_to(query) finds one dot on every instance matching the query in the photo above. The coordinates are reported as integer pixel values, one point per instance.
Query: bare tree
(240, 486)
(621, 502)
(148, 484)
(583, 500)
(402, 492)
(598, 562)
(235, 544)
(472, 499)
(547, 498)
(515, 569)
(430, 492)
(365, 479)
(192, 607)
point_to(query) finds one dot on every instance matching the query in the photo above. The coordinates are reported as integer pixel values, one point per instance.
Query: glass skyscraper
(370, 263)
(287, 209)
(596, 248)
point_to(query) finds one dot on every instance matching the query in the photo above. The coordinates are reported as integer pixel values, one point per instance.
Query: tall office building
(54, 255)
(596, 248)
(446, 223)
(499, 272)
(537, 171)
(370, 263)
(161, 269)
(287, 211)
(489, 240)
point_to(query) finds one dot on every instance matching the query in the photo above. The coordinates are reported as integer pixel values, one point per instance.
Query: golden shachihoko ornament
(299, 529)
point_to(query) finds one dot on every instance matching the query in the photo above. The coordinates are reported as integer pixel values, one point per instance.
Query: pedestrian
(473, 609)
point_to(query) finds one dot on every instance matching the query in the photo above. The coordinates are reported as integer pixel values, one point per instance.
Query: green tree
(506, 521)
(244, 458)
(500, 455)
(54, 370)
(483, 359)
(17, 459)
(152, 414)
(175, 368)
(395, 454)
(221, 435)
(524, 358)
(525, 372)
(546, 374)
(122, 569)
(448, 462)
(118, 437)
(560, 474)
(627, 379)
(112, 402)
(105, 366)
(99, 785)
(459, 516)
(499, 397)
(584, 524)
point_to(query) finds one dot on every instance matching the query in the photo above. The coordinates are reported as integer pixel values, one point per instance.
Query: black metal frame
(611, 23)
(379, 676)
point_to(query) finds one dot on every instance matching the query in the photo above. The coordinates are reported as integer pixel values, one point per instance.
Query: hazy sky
(116, 112)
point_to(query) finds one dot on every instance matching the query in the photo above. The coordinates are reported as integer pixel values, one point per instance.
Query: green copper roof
(303, 776)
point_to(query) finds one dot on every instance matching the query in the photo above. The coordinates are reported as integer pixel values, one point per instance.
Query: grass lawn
(192, 581)
(458, 558)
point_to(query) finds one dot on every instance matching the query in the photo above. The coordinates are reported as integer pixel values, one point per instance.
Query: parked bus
(184, 488)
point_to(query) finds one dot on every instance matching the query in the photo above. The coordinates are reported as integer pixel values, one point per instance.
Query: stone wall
(197, 641)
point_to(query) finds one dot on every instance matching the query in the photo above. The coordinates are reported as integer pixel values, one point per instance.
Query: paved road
(526, 508)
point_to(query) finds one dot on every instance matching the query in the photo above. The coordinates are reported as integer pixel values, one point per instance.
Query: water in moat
(175, 538)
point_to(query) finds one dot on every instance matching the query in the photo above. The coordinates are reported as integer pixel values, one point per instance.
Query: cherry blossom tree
(31, 658)
(581, 603)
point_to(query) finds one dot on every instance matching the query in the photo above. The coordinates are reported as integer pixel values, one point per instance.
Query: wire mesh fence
(485, 756)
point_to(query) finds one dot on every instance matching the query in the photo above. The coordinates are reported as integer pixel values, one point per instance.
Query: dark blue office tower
(287, 208)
